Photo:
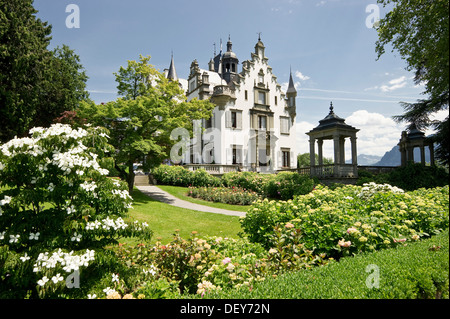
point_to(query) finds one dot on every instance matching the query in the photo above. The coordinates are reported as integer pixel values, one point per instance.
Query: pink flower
(351, 230)
(343, 243)
(226, 260)
(401, 240)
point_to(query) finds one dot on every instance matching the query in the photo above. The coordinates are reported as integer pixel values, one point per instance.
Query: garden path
(162, 196)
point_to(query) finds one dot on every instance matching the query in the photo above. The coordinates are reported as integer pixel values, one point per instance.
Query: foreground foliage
(58, 210)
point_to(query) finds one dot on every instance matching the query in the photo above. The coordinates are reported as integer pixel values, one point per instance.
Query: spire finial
(331, 107)
(214, 44)
(259, 36)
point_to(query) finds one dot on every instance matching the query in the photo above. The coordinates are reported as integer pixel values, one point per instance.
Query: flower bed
(353, 219)
(234, 195)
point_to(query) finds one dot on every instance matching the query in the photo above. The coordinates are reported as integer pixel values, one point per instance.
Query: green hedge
(179, 176)
(284, 185)
(414, 271)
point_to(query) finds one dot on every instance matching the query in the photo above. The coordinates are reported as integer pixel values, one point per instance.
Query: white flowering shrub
(58, 212)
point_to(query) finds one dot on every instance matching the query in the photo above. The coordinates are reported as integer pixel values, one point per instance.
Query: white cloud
(392, 85)
(377, 135)
(301, 76)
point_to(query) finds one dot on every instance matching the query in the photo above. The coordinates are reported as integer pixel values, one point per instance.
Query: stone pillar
(320, 150)
(337, 156)
(342, 150)
(422, 154)
(354, 156)
(312, 152)
(431, 147)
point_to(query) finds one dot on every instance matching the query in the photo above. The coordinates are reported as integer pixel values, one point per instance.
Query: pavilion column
(312, 155)
(422, 154)
(431, 147)
(320, 150)
(342, 150)
(337, 156)
(354, 156)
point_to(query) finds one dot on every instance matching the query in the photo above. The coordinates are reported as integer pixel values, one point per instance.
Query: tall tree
(64, 86)
(419, 31)
(23, 56)
(141, 123)
(36, 85)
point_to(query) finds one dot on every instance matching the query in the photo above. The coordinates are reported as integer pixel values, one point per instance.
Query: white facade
(253, 124)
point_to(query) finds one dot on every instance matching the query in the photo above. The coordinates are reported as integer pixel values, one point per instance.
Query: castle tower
(229, 63)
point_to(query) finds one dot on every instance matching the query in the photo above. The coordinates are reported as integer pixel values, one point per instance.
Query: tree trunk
(130, 177)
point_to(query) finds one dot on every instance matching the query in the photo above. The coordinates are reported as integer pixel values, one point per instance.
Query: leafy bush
(234, 196)
(247, 180)
(58, 210)
(179, 176)
(352, 219)
(418, 270)
(285, 185)
(410, 177)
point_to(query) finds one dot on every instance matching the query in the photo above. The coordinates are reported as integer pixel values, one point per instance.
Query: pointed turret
(172, 73)
(291, 88)
(291, 94)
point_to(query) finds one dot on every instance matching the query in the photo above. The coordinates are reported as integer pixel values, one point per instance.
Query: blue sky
(326, 43)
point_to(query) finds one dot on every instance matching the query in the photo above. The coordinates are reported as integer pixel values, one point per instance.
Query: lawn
(181, 192)
(163, 219)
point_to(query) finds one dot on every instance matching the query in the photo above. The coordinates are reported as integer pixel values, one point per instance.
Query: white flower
(115, 277)
(13, 238)
(109, 291)
(42, 281)
(51, 187)
(92, 296)
(34, 236)
(5, 200)
(70, 210)
(57, 278)
(2, 235)
(2, 166)
(25, 257)
(89, 187)
(76, 237)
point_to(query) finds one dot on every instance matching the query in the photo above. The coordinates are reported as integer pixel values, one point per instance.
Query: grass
(181, 193)
(163, 219)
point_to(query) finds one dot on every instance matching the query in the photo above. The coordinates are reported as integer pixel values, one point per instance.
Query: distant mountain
(390, 158)
(393, 157)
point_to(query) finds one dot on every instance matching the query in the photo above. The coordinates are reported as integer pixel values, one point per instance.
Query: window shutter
(228, 119)
(280, 159)
(239, 120)
(229, 156)
(292, 161)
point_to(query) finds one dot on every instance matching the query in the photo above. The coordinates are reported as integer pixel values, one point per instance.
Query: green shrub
(179, 176)
(352, 219)
(285, 185)
(415, 175)
(233, 196)
(414, 271)
(247, 180)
